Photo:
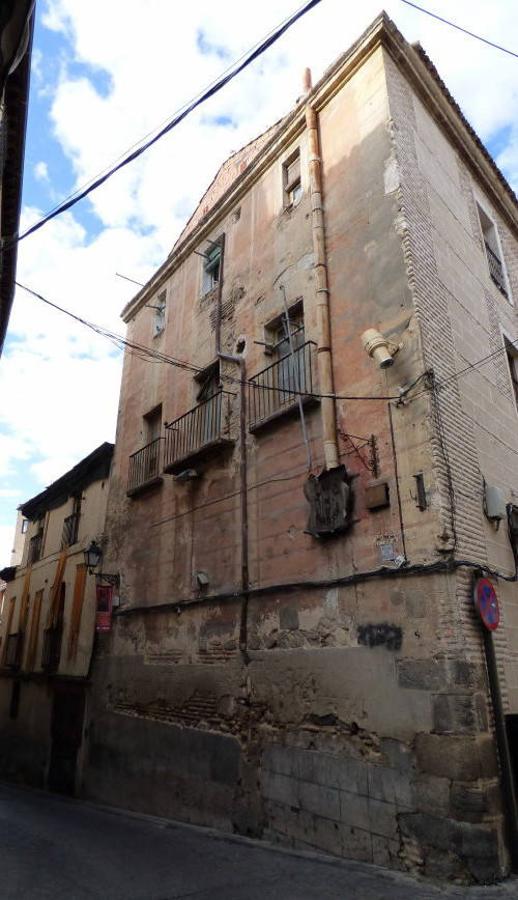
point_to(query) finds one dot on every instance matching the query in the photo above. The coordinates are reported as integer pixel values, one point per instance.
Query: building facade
(297, 522)
(48, 627)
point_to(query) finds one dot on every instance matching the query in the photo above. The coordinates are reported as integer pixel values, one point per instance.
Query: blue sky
(97, 88)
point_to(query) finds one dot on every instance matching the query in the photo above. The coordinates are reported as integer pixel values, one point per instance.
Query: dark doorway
(66, 736)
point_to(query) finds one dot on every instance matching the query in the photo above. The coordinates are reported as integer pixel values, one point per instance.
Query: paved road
(66, 850)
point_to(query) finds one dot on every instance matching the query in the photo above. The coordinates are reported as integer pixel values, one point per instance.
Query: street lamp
(93, 555)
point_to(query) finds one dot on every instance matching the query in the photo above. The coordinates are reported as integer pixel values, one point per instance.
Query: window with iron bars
(71, 525)
(494, 258)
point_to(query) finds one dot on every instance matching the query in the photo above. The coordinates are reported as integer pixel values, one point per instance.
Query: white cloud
(6, 543)
(145, 62)
(41, 171)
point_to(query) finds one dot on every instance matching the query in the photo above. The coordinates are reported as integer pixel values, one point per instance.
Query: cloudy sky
(104, 75)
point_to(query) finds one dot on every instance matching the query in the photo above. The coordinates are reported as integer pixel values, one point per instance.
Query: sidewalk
(51, 847)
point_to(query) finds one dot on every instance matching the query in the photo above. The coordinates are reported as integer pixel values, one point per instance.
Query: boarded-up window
(32, 647)
(77, 610)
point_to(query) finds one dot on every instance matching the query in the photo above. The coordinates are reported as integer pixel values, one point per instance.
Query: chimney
(306, 81)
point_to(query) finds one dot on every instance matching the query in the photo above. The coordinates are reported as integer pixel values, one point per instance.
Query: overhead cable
(163, 122)
(211, 91)
(477, 37)
(153, 355)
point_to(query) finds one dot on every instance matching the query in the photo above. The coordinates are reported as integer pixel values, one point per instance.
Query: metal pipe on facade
(219, 302)
(243, 497)
(324, 352)
(243, 464)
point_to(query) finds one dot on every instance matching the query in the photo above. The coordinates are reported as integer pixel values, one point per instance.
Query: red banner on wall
(103, 616)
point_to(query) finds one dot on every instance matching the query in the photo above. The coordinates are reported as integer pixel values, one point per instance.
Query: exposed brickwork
(352, 718)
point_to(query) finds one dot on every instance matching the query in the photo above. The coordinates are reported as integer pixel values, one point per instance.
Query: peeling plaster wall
(357, 720)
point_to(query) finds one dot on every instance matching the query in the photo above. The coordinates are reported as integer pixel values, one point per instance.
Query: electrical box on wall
(377, 495)
(494, 503)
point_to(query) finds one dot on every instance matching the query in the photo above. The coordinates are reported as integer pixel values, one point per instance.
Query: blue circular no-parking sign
(486, 603)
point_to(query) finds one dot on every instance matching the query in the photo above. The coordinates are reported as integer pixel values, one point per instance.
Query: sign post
(486, 604)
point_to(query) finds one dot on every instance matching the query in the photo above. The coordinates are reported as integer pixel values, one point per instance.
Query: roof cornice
(428, 85)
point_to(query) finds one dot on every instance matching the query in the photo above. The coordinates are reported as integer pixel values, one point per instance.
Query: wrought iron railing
(207, 424)
(70, 530)
(145, 465)
(35, 546)
(279, 386)
(51, 650)
(496, 269)
(13, 650)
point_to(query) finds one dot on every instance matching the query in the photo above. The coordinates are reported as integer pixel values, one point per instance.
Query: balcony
(70, 530)
(145, 467)
(275, 391)
(35, 547)
(13, 650)
(198, 433)
(496, 269)
(51, 652)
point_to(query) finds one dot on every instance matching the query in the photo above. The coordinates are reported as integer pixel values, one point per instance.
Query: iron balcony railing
(207, 425)
(145, 465)
(13, 650)
(51, 651)
(70, 530)
(35, 545)
(496, 269)
(278, 387)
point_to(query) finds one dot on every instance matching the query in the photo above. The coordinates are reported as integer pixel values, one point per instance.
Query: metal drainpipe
(219, 302)
(243, 478)
(324, 353)
(243, 496)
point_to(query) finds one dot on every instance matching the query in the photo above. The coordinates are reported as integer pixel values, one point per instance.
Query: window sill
(199, 455)
(145, 486)
(289, 411)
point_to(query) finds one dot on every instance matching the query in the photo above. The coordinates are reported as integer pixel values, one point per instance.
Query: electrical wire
(164, 121)
(117, 339)
(211, 91)
(440, 565)
(441, 385)
(150, 354)
(477, 37)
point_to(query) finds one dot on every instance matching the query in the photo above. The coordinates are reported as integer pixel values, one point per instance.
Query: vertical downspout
(219, 302)
(324, 353)
(243, 476)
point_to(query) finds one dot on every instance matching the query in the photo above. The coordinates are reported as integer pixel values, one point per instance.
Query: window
(277, 334)
(70, 533)
(291, 180)
(52, 636)
(36, 543)
(153, 424)
(208, 386)
(512, 362)
(150, 461)
(211, 267)
(25, 525)
(159, 308)
(493, 252)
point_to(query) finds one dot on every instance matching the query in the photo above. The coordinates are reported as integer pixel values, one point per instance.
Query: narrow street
(62, 849)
